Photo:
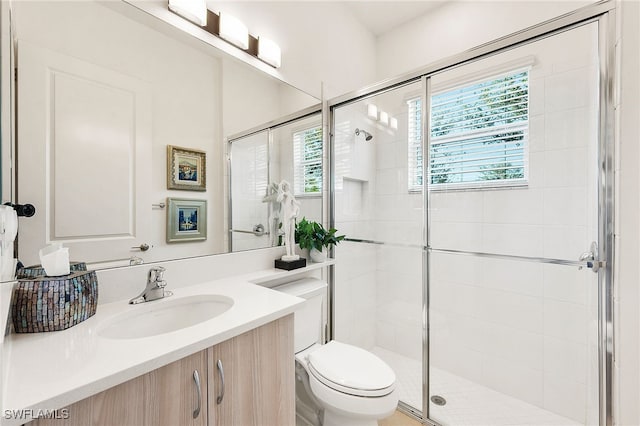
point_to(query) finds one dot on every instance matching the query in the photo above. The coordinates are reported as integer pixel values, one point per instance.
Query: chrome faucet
(155, 287)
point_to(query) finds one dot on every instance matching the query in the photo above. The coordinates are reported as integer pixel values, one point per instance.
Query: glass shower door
(513, 190)
(378, 206)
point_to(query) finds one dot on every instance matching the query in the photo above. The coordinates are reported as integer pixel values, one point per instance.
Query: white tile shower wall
(399, 303)
(355, 294)
(355, 178)
(479, 322)
(355, 291)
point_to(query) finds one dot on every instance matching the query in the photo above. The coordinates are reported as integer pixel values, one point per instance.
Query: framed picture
(186, 220)
(186, 169)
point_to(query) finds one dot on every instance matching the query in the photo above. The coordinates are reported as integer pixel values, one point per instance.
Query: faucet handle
(156, 275)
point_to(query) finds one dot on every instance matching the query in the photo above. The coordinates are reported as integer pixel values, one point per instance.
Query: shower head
(367, 136)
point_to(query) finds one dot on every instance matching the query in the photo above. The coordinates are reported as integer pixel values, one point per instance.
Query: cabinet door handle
(221, 373)
(196, 379)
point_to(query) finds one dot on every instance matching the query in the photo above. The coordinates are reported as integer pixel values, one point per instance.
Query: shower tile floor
(468, 403)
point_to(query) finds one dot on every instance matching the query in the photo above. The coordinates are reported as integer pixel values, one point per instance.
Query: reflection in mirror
(289, 149)
(101, 94)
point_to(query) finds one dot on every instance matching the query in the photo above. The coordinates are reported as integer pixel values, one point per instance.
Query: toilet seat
(351, 370)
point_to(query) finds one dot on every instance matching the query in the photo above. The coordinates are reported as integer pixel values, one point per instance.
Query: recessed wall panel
(92, 146)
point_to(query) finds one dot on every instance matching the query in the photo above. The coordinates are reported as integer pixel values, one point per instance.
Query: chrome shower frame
(604, 14)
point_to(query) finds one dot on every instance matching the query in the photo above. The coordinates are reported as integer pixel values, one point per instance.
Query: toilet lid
(351, 370)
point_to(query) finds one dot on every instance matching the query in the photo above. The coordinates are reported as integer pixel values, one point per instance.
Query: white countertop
(55, 369)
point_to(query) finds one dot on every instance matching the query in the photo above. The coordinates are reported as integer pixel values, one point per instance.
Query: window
(479, 134)
(307, 161)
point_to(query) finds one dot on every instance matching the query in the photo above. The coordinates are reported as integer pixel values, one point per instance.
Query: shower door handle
(591, 258)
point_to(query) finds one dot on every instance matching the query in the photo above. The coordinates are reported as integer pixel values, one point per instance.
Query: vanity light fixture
(192, 10)
(269, 52)
(228, 28)
(234, 31)
(384, 118)
(372, 111)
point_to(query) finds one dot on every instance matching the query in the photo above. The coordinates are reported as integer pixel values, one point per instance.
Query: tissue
(55, 260)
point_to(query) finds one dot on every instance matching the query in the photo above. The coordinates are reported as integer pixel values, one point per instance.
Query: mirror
(104, 90)
(291, 150)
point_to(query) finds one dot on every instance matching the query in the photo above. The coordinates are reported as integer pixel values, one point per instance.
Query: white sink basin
(164, 316)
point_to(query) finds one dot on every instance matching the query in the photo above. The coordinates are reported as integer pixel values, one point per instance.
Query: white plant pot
(318, 256)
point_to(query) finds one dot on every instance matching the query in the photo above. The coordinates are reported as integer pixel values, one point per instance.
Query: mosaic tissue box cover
(54, 303)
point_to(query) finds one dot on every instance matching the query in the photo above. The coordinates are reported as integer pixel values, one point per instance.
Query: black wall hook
(26, 210)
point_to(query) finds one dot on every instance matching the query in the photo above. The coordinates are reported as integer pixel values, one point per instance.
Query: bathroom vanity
(102, 373)
(246, 380)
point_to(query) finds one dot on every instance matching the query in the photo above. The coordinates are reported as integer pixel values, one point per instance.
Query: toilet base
(336, 419)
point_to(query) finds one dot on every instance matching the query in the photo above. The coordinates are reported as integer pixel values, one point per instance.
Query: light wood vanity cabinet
(259, 384)
(259, 390)
(163, 397)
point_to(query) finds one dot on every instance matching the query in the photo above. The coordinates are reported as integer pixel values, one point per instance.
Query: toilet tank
(309, 319)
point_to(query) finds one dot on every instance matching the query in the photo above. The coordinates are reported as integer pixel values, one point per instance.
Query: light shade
(372, 111)
(393, 123)
(193, 10)
(384, 118)
(269, 52)
(234, 31)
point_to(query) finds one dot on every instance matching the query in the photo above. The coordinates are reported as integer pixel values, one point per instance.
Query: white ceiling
(380, 17)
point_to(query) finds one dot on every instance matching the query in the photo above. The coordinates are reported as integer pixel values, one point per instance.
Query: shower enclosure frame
(604, 14)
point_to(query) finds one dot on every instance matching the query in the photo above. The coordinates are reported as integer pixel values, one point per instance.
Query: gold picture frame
(186, 220)
(186, 169)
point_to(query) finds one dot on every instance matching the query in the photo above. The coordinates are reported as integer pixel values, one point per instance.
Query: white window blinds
(415, 144)
(479, 134)
(307, 161)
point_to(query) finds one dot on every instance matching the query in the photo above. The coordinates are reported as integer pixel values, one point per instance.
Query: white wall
(627, 271)
(320, 41)
(458, 26)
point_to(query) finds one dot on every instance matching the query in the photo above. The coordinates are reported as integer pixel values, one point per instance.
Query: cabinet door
(164, 397)
(259, 387)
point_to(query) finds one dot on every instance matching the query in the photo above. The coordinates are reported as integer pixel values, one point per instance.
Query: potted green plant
(313, 236)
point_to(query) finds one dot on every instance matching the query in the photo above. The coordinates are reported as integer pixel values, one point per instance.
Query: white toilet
(352, 386)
